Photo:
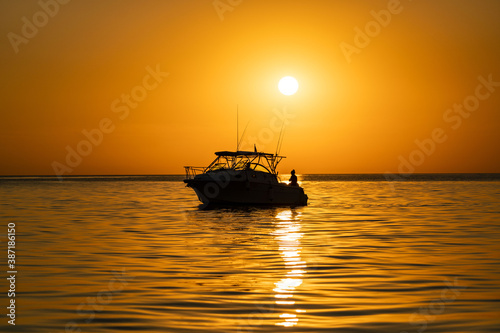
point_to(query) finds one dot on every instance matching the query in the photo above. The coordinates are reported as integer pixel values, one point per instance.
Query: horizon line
(338, 173)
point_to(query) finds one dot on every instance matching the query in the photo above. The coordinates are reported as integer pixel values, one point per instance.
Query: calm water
(135, 254)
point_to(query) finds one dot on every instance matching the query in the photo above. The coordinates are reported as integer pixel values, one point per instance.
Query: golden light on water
(288, 236)
(354, 259)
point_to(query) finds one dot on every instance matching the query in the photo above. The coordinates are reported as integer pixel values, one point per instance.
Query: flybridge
(253, 160)
(239, 160)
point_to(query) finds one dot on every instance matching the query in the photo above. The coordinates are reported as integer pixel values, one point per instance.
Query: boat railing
(191, 171)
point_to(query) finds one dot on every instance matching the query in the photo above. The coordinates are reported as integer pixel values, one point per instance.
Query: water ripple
(119, 255)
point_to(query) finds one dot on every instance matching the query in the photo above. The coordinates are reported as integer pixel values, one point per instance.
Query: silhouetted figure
(293, 179)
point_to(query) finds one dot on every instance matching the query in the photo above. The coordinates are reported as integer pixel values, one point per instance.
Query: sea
(137, 254)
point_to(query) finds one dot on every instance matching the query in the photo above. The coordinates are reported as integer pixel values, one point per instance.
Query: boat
(237, 178)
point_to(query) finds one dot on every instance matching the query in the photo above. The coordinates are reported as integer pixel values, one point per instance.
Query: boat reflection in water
(288, 236)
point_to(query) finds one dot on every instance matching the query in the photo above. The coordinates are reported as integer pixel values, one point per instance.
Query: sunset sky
(146, 87)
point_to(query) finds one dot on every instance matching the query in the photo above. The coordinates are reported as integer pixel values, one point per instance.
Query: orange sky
(363, 101)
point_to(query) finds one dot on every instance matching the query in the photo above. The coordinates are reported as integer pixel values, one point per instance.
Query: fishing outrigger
(243, 178)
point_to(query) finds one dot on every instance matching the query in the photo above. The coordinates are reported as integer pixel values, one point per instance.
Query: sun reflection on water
(288, 236)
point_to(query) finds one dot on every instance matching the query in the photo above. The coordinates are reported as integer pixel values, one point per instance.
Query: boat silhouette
(243, 178)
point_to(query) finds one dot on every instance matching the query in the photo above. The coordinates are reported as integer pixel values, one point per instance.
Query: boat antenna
(238, 138)
(243, 135)
(237, 130)
(280, 139)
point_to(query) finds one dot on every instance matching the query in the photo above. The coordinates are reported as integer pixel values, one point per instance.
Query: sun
(288, 85)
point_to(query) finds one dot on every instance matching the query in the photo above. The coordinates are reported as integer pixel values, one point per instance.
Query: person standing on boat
(293, 179)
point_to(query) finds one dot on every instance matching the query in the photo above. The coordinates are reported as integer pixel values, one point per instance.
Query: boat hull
(245, 188)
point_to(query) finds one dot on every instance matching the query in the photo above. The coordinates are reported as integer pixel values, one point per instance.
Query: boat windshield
(240, 165)
(217, 166)
(259, 167)
(245, 161)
